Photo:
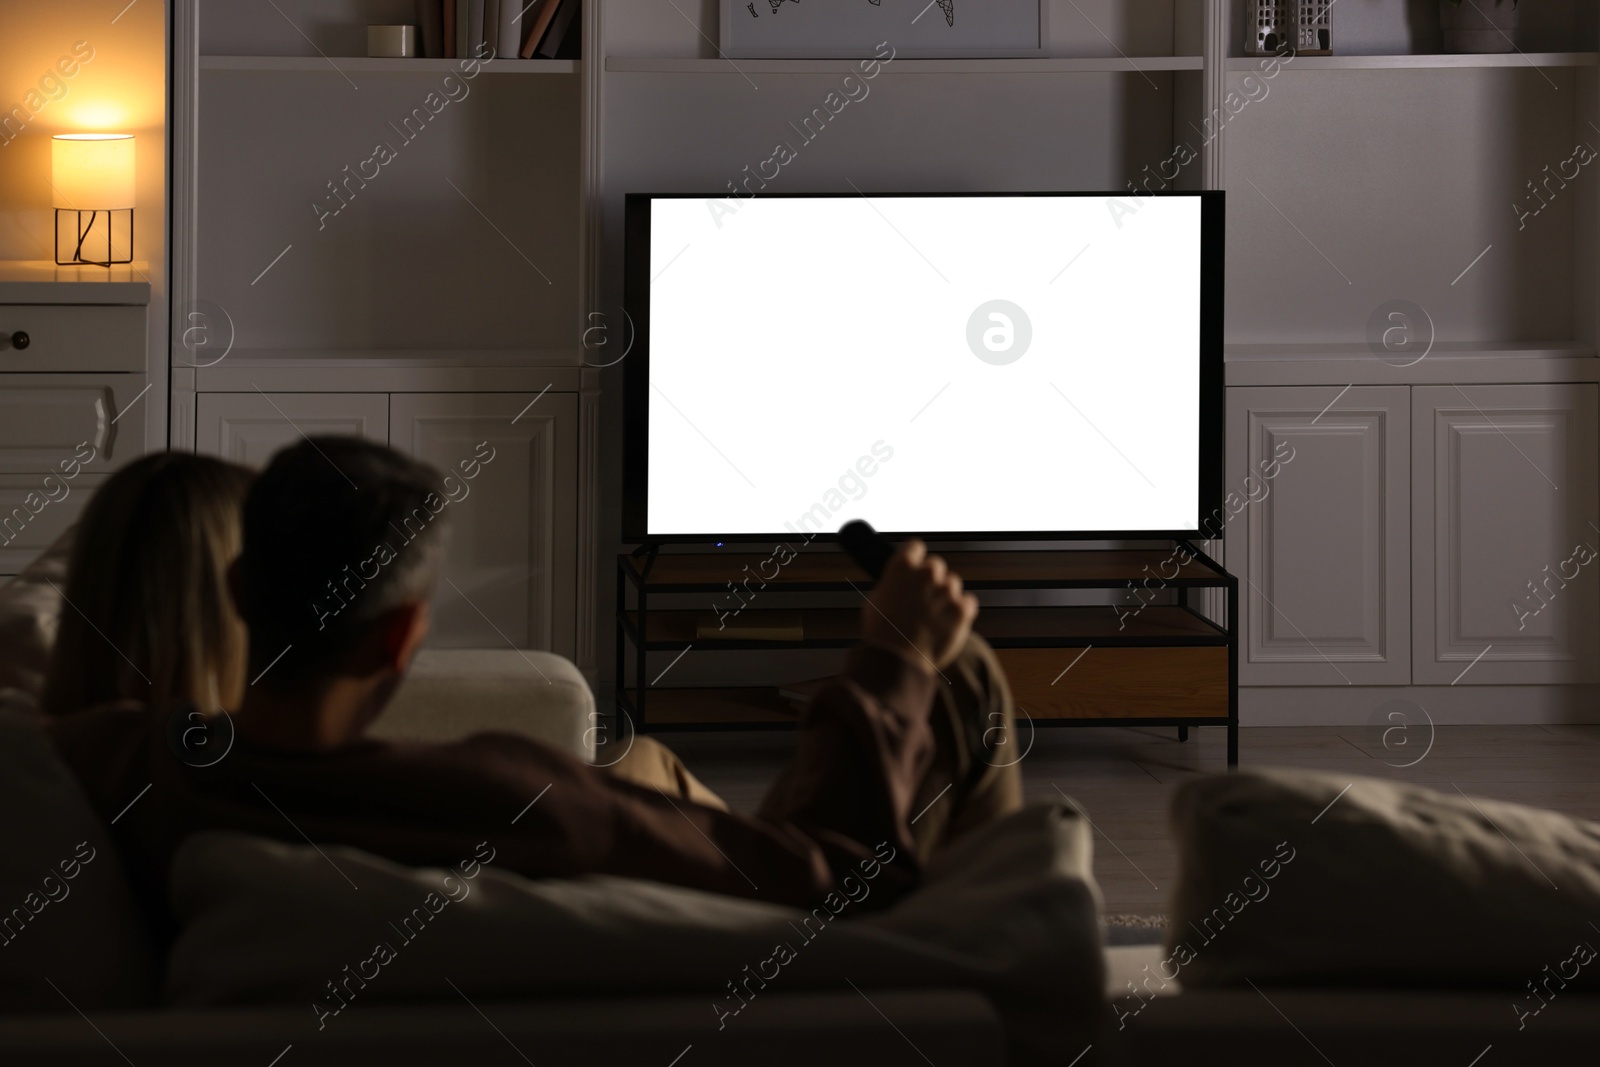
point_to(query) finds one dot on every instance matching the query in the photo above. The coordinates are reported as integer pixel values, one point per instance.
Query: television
(975, 366)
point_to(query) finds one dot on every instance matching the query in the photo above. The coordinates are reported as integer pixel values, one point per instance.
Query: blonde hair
(148, 616)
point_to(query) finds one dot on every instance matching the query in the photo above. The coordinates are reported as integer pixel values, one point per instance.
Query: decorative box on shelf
(1304, 27)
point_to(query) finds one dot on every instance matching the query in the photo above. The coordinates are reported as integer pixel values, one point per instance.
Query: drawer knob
(20, 340)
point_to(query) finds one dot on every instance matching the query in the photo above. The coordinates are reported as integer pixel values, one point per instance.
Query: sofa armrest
(450, 693)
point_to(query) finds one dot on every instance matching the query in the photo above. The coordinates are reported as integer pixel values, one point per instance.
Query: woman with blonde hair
(146, 615)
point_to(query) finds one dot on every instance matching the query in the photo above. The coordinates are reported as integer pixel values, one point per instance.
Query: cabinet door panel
(1505, 581)
(44, 418)
(248, 428)
(1321, 547)
(511, 570)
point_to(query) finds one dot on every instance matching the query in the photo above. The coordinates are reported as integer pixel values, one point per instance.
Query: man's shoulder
(496, 747)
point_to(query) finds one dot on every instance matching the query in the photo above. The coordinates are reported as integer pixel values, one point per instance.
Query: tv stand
(1157, 662)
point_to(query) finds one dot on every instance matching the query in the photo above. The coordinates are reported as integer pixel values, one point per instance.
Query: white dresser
(72, 363)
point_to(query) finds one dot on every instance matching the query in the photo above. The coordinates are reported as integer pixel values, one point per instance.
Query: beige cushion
(1284, 880)
(29, 613)
(450, 693)
(67, 915)
(1011, 911)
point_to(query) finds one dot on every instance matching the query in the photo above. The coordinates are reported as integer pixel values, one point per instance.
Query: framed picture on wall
(858, 29)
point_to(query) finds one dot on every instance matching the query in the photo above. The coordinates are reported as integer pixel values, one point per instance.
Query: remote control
(866, 546)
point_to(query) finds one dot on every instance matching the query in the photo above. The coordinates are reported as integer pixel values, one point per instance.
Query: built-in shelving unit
(393, 248)
(482, 255)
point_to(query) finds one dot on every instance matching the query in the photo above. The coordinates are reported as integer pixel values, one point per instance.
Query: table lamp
(92, 175)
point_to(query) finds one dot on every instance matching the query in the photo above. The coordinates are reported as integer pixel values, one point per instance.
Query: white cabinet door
(249, 427)
(1321, 546)
(49, 419)
(510, 575)
(1505, 508)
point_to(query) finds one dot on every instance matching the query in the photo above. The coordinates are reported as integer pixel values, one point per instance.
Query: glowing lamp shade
(92, 174)
(92, 171)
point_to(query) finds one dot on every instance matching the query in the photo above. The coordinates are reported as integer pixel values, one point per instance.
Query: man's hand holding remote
(918, 608)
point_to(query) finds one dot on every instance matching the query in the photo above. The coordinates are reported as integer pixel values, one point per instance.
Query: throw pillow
(1291, 876)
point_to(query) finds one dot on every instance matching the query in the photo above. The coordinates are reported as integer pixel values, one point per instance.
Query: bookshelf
(430, 298)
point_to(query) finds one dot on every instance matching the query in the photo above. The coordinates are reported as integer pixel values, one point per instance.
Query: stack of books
(476, 29)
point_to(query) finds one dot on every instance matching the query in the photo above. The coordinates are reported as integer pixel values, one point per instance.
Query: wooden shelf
(1096, 65)
(375, 65)
(1104, 686)
(826, 570)
(1420, 62)
(1052, 627)
(1111, 684)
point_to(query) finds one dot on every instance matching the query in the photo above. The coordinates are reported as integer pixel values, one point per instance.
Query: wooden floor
(1123, 777)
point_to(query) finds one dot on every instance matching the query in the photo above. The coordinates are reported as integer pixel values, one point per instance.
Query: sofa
(643, 965)
(1000, 960)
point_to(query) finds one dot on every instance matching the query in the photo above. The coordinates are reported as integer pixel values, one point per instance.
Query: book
(452, 22)
(510, 28)
(491, 25)
(756, 626)
(565, 13)
(536, 19)
(430, 25)
(571, 44)
(474, 28)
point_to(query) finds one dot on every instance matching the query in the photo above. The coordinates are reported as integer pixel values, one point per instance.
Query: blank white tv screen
(932, 364)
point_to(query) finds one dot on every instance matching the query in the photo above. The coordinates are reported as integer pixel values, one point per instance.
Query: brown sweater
(863, 747)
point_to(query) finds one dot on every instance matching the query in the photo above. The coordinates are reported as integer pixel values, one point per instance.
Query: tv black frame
(636, 377)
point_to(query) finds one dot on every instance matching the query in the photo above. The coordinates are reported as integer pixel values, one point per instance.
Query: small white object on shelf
(392, 42)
